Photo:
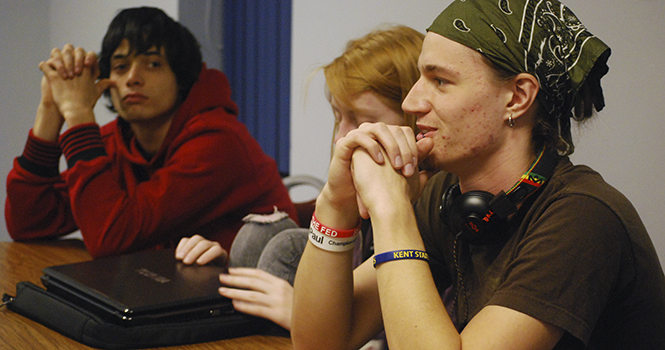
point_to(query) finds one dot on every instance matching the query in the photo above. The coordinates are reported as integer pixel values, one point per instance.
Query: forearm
(37, 200)
(45, 127)
(48, 121)
(324, 286)
(110, 219)
(322, 306)
(79, 116)
(413, 314)
(192, 193)
(37, 206)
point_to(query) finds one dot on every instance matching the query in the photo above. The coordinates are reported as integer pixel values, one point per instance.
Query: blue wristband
(399, 255)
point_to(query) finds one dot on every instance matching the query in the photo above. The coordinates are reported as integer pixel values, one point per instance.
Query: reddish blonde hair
(385, 61)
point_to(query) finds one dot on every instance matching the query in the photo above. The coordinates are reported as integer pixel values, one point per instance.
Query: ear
(525, 88)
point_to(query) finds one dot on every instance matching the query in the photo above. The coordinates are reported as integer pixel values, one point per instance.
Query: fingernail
(380, 157)
(408, 169)
(398, 162)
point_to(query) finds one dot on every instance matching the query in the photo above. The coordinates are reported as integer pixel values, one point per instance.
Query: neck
(499, 171)
(151, 135)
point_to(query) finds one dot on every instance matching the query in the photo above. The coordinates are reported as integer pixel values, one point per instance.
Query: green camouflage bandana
(540, 37)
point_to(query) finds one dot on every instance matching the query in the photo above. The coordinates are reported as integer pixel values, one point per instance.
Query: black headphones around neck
(481, 218)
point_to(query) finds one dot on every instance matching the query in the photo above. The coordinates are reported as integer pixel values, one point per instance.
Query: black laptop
(142, 288)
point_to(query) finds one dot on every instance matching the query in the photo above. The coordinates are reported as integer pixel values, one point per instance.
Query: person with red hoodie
(175, 163)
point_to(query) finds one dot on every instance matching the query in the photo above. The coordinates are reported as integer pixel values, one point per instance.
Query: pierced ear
(525, 90)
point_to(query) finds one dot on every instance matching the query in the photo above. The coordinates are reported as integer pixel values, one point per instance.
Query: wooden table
(25, 261)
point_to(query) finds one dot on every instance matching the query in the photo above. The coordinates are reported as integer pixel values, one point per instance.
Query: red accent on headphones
(480, 217)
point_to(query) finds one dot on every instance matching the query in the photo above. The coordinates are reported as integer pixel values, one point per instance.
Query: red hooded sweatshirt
(208, 174)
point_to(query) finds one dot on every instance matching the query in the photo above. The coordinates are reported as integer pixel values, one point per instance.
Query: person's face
(146, 89)
(459, 103)
(366, 108)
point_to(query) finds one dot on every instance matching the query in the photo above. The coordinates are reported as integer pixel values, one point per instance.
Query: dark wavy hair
(147, 27)
(555, 133)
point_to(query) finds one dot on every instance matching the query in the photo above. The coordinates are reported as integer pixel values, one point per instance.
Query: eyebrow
(432, 68)
(121, 56)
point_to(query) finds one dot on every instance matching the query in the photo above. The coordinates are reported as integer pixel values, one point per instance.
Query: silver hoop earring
(511, 122)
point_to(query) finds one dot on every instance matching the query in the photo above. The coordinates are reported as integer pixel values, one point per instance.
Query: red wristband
(330, 232)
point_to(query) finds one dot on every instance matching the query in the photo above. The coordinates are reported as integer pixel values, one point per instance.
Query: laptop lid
(141, 287)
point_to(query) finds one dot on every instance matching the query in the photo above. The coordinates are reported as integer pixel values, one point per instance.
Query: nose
(415, 102)
(134, 75)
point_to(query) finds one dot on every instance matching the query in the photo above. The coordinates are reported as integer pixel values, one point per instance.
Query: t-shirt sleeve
(568, 253)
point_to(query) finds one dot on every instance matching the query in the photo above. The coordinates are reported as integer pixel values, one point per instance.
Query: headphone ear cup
(470, 215)
(449, 196)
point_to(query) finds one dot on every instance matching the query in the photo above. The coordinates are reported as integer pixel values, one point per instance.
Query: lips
(425, 131)
(134, 97)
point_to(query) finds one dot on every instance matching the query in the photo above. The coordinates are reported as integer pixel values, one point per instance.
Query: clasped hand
(377, 163)
(70, 84)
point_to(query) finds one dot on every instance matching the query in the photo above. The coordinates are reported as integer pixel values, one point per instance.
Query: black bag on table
(91, 329)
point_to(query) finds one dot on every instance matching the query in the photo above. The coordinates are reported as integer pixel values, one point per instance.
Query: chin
(132, 116)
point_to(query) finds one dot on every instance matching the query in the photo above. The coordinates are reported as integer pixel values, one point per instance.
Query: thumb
(47, 69)
(103, 85)
(424, 146)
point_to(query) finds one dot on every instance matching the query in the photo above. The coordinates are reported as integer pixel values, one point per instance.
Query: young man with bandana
(510, 246)
(175, 163)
